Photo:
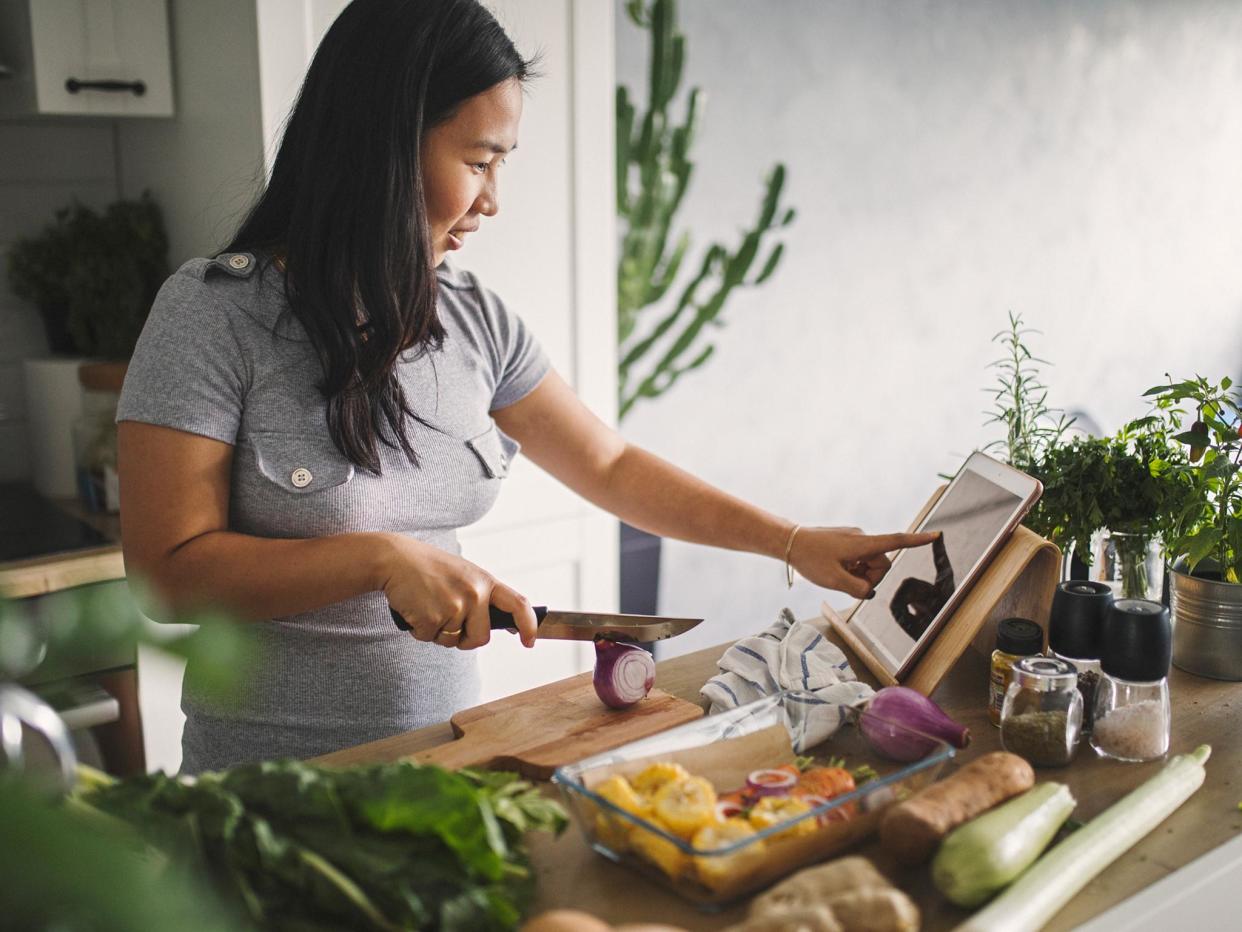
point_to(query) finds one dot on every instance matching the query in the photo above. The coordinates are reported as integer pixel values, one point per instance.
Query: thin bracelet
(789, 571)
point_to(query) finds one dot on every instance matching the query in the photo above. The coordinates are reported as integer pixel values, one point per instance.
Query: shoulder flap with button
(237, 264)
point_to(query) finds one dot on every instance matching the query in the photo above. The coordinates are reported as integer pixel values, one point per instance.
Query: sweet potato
(912, 829)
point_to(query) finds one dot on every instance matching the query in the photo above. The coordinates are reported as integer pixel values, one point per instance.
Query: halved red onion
(771, 782)
(624, 673)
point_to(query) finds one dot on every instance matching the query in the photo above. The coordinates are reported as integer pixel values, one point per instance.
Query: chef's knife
(587, 626)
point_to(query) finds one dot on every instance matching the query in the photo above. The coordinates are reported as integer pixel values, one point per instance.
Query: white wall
(1078, 163)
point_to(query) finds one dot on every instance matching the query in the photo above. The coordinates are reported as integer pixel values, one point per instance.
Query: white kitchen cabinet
(102, 58)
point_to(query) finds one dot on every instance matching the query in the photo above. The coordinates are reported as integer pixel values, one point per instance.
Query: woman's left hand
(846, 559)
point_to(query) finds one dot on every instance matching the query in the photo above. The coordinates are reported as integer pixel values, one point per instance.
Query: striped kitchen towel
(794, 655)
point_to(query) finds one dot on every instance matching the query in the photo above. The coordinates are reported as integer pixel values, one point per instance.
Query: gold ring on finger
(455, 634)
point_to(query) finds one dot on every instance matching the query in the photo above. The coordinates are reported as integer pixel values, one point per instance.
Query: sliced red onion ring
(771, 782)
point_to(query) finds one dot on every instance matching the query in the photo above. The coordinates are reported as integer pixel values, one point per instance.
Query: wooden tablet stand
(1020, 580)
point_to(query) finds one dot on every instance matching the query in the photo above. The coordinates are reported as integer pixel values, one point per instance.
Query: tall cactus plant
(653, 172)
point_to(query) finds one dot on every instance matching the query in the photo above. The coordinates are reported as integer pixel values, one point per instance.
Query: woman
(310, 415)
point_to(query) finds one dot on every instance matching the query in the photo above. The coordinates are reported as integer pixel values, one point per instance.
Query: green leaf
(1200, 546)
(1193, 438)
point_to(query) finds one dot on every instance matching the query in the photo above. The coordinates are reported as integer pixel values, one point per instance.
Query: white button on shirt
(301, 477)
(239, 261)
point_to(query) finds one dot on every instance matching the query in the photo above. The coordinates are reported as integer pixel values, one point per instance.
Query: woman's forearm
(651, 493)
(255, 578)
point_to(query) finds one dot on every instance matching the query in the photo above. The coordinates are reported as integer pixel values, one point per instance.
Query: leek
(1050, 883)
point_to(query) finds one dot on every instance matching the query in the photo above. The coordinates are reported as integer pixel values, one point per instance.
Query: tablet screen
(971, 514)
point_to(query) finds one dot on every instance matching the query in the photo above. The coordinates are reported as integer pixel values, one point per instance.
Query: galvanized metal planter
(1207, 626)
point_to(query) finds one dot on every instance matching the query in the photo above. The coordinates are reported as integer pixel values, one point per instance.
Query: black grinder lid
(1019, 636)
(1079, 607)
(1137, 641)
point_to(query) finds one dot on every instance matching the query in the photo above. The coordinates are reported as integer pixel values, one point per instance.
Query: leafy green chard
(388, 846)
(1202, 417)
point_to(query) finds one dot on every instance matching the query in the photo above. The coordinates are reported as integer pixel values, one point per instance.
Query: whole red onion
(901, 723)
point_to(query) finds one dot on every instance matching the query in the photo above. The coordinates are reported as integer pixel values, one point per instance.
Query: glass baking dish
(725, 749)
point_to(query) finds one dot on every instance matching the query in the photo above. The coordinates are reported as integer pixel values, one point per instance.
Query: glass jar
(1015, 638)
(1041, 719)
(1130, 563)
(1079, 607)
(1132, 719)
(1088, 682)
(94, 452)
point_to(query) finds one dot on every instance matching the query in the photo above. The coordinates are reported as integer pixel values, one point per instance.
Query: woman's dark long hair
(345, 207)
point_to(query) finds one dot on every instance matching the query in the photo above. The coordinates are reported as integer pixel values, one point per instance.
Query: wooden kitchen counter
(570, 874)
(41, 575)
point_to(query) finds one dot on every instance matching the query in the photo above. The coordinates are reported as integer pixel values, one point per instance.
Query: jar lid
(1019, 636)
(1044, 674)
(1136, 641)
(1078, 610)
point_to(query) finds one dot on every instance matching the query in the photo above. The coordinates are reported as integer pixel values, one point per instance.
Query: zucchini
(1052, 881)
(988, 852)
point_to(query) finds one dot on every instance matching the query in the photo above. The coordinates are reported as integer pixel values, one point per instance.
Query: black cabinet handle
(137, 88)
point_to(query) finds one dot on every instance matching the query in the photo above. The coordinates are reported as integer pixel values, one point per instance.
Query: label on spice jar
(1001, 676)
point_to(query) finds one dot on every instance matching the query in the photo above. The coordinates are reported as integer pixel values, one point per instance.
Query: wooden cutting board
(537, 731)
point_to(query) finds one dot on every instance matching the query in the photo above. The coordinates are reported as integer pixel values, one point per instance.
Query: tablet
(976, 514)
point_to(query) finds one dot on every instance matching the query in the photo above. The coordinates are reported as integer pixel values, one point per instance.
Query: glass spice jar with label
(1041, 719)
(1015, 638)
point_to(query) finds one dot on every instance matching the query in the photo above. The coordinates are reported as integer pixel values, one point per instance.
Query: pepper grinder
(1079, 607)
(1132, 713)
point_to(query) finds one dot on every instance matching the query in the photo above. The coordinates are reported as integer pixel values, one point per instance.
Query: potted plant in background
(1104, 497)
(92, 276)
(1020, 402)
(1202, 529)
(653, 172)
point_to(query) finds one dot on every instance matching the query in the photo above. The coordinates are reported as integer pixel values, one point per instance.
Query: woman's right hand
(445, 599)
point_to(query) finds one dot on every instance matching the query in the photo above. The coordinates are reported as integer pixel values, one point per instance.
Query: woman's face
(461, 159)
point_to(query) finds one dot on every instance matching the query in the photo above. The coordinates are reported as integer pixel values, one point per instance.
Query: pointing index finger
(885, 543)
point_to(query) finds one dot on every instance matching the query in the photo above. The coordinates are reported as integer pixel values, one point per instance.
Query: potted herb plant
(1119, 486)
(92, 276)
(1203, 529)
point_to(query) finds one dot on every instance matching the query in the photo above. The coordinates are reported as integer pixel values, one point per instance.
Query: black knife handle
(500, 618)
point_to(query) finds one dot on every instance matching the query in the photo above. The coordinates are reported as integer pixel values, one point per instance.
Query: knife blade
(586, 626)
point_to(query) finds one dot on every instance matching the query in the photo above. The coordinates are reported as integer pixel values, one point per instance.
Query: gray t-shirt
(221, 356)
